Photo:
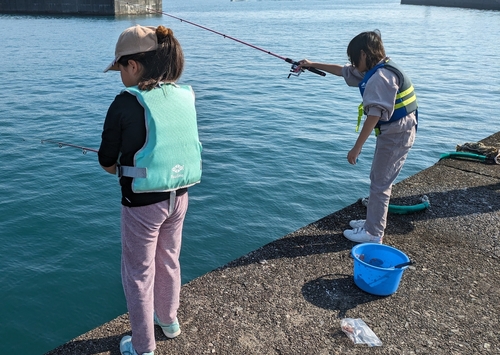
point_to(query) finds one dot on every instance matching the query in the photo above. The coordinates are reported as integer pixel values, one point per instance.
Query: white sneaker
(357, 223)
(360, 235)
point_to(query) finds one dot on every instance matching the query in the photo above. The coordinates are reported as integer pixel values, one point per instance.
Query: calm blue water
(274, 148)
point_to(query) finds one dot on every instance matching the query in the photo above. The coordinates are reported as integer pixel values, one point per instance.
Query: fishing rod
(62, 144)
(295, 70)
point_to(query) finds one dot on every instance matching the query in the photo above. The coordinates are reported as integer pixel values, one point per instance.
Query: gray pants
(391, 150)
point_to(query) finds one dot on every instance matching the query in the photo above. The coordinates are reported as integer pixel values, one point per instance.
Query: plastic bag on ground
(359, 332)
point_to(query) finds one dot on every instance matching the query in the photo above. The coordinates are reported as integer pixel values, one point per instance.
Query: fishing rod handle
(315, 71)
(311, 69)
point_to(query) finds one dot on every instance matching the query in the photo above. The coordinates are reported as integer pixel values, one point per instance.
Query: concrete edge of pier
(289, 296)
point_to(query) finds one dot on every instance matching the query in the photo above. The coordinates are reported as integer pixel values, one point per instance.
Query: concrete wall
(123, 8)
(471, 4)
(79, 7)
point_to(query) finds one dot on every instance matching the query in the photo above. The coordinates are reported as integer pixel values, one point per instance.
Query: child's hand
(352, 156)
(304, 62)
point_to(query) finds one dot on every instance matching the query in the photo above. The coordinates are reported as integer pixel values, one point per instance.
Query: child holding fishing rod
(389, 102)
(150, 138)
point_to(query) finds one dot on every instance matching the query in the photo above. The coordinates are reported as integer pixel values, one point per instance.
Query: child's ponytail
(170, 53)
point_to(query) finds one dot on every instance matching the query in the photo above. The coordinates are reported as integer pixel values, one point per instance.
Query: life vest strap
(132, 171)
(361, 112)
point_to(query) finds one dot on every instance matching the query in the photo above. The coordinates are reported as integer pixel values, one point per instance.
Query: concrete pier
(80, 7)
(289, 296)
(470, 4)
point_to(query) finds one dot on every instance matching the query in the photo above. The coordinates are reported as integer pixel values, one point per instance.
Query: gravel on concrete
(289, 296)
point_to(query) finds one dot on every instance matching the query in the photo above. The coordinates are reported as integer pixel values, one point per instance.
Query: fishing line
(62, 144)
(295, 70)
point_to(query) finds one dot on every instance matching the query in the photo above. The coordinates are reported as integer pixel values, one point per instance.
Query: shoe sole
(167, 334)
(347, 234)
(172, 335)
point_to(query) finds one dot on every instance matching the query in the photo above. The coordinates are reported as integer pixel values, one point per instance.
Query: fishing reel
(295, 70)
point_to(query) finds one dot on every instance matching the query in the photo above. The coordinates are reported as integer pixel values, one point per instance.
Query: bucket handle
(408, 263)
(386, 276)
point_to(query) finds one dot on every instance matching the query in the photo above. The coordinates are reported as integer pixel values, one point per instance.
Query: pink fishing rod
(295, 70)
(62, 144)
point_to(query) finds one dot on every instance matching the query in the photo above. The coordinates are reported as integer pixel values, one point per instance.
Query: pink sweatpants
(151, 275)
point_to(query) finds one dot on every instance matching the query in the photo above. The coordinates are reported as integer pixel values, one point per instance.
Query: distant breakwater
(79, 7)
(471, 4)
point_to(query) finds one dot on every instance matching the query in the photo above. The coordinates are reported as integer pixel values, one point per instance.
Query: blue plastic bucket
(374, 268)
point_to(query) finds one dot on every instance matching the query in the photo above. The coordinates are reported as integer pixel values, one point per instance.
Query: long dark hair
(369, 42)
(163, 64)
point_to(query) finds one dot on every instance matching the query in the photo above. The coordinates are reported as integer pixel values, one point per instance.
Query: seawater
(274, 148)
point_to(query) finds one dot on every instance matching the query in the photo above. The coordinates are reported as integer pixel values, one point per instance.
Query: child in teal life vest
(389, 102)
(150, 139)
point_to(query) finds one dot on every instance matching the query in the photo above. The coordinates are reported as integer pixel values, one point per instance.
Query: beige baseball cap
(136, 39)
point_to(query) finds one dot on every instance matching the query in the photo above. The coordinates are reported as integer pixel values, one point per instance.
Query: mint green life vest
(171, 156)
